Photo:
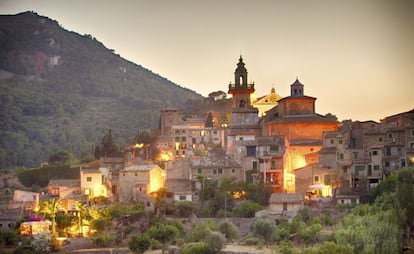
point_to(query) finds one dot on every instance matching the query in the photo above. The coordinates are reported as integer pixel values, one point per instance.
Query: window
(332, 141)
(240, 138)
(254, 165)
(273, 163)
(177, 132)
(390, 135)
(251, 151)
(182, 198)
(148, 204)
(412, 132)
(193, 140)
(380, 139)
(214, 132)
(177, 139)
(233, 171)
(199, 171)
(214, 171)
(387, 164)
(388, 151)
(220, 171)
(374, 153)
(136, 173)
(274, 148)
(376, 167)
(89, 179)
(316, 179)
(355, 155)
(340, 141)
(183, 139)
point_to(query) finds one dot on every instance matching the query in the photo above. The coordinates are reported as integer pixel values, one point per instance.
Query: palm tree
(82, 210)
(51, 207)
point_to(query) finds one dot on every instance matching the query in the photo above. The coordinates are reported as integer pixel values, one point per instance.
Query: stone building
(363, 153)
(138, 182)
(267, 102)
(244, 123)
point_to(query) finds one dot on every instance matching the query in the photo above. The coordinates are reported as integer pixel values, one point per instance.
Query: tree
(405, 196)
(209, 120)
(247, 209)
(50, 208)
(229, 230)
(60, 157)
(264, 228)
(184, 209)
(164, 234)
(108, 147)
(215, 240)
(139, 244)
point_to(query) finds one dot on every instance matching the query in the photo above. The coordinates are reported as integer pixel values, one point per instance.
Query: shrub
(9, 237)
(229, 230)
(198, 247)
(98, 224)
(215, 241)
(286, 248)
(102, 240)
(139, 244)
(264, 228)
(247, 210)
(184, 209)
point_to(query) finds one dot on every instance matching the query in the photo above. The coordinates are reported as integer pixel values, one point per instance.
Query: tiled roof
(286, 198)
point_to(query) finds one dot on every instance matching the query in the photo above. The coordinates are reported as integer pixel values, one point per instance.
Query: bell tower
(244, 123)
(241, 90)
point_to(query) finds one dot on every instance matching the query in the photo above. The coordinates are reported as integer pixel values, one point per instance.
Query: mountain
(60, 90)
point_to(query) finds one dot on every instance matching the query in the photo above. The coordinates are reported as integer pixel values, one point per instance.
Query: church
(292, 121)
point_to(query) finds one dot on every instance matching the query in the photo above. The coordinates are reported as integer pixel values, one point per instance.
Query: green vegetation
(64, 90)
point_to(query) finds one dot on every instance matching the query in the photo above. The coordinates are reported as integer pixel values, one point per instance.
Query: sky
(355, 56)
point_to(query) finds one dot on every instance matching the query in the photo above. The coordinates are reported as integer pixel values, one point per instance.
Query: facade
(139, 181)
(295, 119)
(363, 153)
(92, 182)
(244, 124)
(285, 204)
(267, 102)
(215, 168)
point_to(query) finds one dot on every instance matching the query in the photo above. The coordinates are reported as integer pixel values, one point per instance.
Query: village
(274, 157)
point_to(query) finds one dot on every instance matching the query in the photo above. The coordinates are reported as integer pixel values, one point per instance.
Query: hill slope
(62, 90)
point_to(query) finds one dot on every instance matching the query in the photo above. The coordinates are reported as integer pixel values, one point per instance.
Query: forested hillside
(62, 90)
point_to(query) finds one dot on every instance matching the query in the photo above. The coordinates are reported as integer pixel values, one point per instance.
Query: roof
(214, 162)
(64, 182)
(286, 198)
(299, 119)
(146, 167)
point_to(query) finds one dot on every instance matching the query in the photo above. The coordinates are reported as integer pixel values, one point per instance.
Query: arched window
(241, 79)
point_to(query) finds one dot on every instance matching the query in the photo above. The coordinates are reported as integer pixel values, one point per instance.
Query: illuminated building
(266, 102)
(92, 182)
(295, 119)
(137, 182)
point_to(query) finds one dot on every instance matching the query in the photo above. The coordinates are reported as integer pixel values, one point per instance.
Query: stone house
(285, 204)
(139, 182)
(215, 168)
(93, 182)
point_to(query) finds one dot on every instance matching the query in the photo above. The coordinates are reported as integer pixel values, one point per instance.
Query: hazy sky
(355, 56)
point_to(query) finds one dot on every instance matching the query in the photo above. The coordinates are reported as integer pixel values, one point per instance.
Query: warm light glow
(177, 146)
(164, 156)
(156, 180)
(140, 145)
(239, 194)
(412, 159)
(289, 182)
(298, 161)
